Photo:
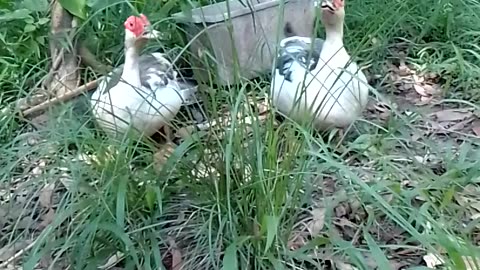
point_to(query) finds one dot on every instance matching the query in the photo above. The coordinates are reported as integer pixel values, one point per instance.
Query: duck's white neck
(131, 71)
(334, 33)
(333, 46)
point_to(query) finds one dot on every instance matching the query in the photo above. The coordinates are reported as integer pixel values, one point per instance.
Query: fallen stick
(67, 96)
(17, 255)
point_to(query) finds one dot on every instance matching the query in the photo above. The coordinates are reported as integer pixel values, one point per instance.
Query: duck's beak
(328, 5)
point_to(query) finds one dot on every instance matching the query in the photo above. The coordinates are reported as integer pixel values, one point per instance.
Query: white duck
(316, 80)
(146, 96)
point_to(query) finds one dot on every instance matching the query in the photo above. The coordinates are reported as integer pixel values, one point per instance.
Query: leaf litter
(418, 88)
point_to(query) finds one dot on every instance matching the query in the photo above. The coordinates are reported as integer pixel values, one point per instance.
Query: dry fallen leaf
(432, 89)
(452, 115)
(343, 266)
(45, 197)
(113, 260)
(420, 90)
(471, 263)
(297, 240)
(476, 128)
(10, 253)
(432, 260)
(316, 225)
(404, 70)
(340, 210)
(47, 219)
(177, 262)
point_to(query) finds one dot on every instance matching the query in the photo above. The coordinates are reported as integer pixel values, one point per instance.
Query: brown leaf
(431, 75)
(420, 90)
(344, 266)
(471, 263)
(459, 125)
(452, 115)
(47, 219)
(113, 260)
(316, 225)
(424, 100)
(297, 240)
(45, 197)
(340, 211)
(177, 262)
(432, 260)
(404, 70)
(432, 89)
(9, 251)
(476, 128)
(343, 222)
(405, 86)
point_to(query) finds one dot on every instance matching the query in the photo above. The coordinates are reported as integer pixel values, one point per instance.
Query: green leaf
(102, 4)
(29, 28)
(271, 225)
(448, 196)
(36, 5)
(91, 3)
(76, 7)
(43, 21)
(230, 258)
(150, 197)
(121, 202)
(377, 253)
(19, 14)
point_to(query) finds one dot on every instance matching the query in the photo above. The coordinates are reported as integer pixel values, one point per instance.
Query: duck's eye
(131, 24)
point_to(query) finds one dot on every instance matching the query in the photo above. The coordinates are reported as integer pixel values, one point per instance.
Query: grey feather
(297, 50)
(154, 73)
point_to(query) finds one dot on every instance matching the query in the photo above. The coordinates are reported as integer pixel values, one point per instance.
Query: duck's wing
(155, 71)
(298, 50)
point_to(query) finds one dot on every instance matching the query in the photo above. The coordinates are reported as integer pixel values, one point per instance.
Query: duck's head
(333, 12)
(138, 30)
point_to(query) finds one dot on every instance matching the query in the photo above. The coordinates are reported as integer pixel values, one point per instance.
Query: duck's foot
(163, 135)
(162, 155)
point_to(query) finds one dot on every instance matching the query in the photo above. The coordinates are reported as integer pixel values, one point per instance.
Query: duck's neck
(333, 46)
(131, 71)
(334, 34)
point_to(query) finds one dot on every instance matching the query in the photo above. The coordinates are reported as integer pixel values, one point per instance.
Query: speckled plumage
(297, 50)
(155, 71)
(328, 89)
(117, 105)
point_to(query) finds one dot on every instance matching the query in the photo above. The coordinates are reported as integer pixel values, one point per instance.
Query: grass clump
(254, 192)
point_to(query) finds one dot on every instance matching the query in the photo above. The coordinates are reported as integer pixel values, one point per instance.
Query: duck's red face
(333, 12)
(332, 5)
(137, 25)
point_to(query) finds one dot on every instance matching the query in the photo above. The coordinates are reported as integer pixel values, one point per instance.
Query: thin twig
(18, 254)
(67, 96)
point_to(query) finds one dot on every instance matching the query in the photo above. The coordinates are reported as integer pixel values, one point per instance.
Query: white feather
(334, 96)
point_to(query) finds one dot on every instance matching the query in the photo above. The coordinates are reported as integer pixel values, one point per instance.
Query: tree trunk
(64, 73)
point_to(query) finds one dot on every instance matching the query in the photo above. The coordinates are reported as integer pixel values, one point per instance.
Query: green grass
(235, 197)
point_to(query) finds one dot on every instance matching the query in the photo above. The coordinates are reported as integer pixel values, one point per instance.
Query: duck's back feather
(117, 105)
(298, 50)
(317, 86)
(155, 72)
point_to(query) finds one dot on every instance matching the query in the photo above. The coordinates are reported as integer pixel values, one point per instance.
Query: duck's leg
(168, 134)
(341, 135)
(165, 150)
